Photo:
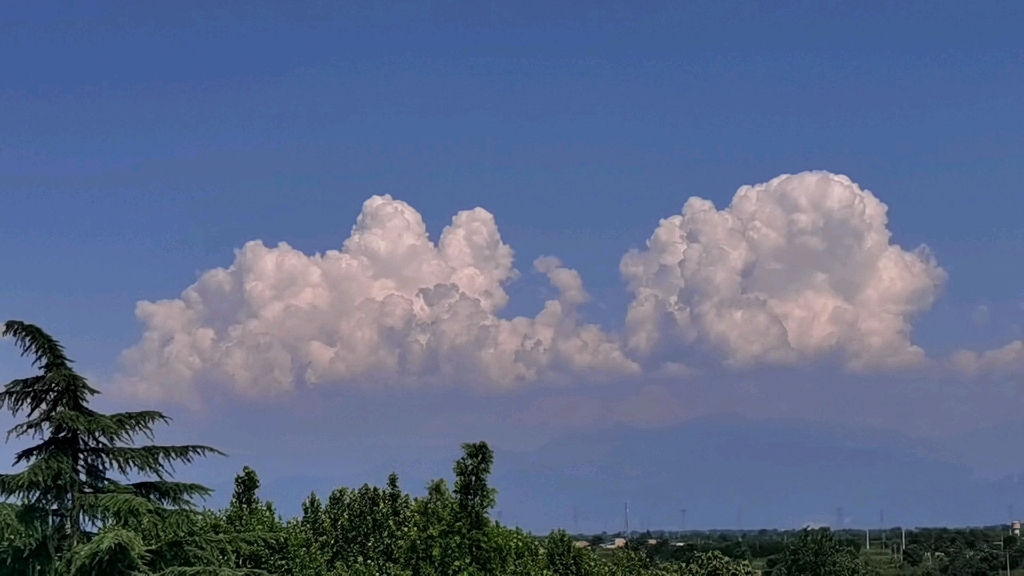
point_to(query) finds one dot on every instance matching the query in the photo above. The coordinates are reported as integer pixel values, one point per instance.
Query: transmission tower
(627, 518)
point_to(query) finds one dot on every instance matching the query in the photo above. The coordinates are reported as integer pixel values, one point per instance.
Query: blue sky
(139, 147)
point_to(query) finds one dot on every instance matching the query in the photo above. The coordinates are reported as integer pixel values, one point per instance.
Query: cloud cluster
(798, 268)
(389, 308)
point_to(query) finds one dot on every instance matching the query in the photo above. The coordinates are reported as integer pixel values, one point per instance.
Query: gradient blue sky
(140, 146)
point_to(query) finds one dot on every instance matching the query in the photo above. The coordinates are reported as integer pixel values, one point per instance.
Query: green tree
(974, 562)
(432, 549)
(248, 516)
(818, 553)
(450, 531)
(564, 558)
(375, 527)
(474, 499)
(716, 564)
(629, 562)
(309, 539)
(516, 553)
(75, 507)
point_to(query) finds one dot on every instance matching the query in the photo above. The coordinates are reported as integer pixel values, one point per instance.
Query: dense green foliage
(817, 553)
(91, 501)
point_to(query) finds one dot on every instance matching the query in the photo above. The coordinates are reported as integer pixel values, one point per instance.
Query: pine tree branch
(112, 429)
(140, 422)
(168, 493)
(56, 389)
(117, 507)
(18, 394)
(148, 460)
(44, 476)
(43, 348)
(50, 446)
(114, 549)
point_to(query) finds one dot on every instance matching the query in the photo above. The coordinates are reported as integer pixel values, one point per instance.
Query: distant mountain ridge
(727, 472)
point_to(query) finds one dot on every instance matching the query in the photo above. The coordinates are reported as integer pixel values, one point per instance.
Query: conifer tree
(76, 498)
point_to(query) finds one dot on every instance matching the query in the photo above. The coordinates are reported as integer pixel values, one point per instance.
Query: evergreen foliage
(75, 508)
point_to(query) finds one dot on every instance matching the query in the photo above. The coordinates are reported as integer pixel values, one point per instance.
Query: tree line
(977, 551)
(95, 496)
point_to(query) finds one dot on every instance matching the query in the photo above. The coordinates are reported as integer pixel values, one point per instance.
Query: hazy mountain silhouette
(730, 472)
(726, 472)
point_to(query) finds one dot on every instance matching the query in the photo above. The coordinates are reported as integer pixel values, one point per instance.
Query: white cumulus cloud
(389, 308)
(794, 269)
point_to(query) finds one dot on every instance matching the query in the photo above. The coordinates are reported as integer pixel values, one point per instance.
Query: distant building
(617, 543)
(1015, 528)
(652, 541)
(582, 544)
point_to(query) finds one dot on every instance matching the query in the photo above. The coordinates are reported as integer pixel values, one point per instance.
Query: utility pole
(867, 539)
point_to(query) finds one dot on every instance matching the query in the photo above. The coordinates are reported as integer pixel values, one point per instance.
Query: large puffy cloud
(798, 268)
(389, 308)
